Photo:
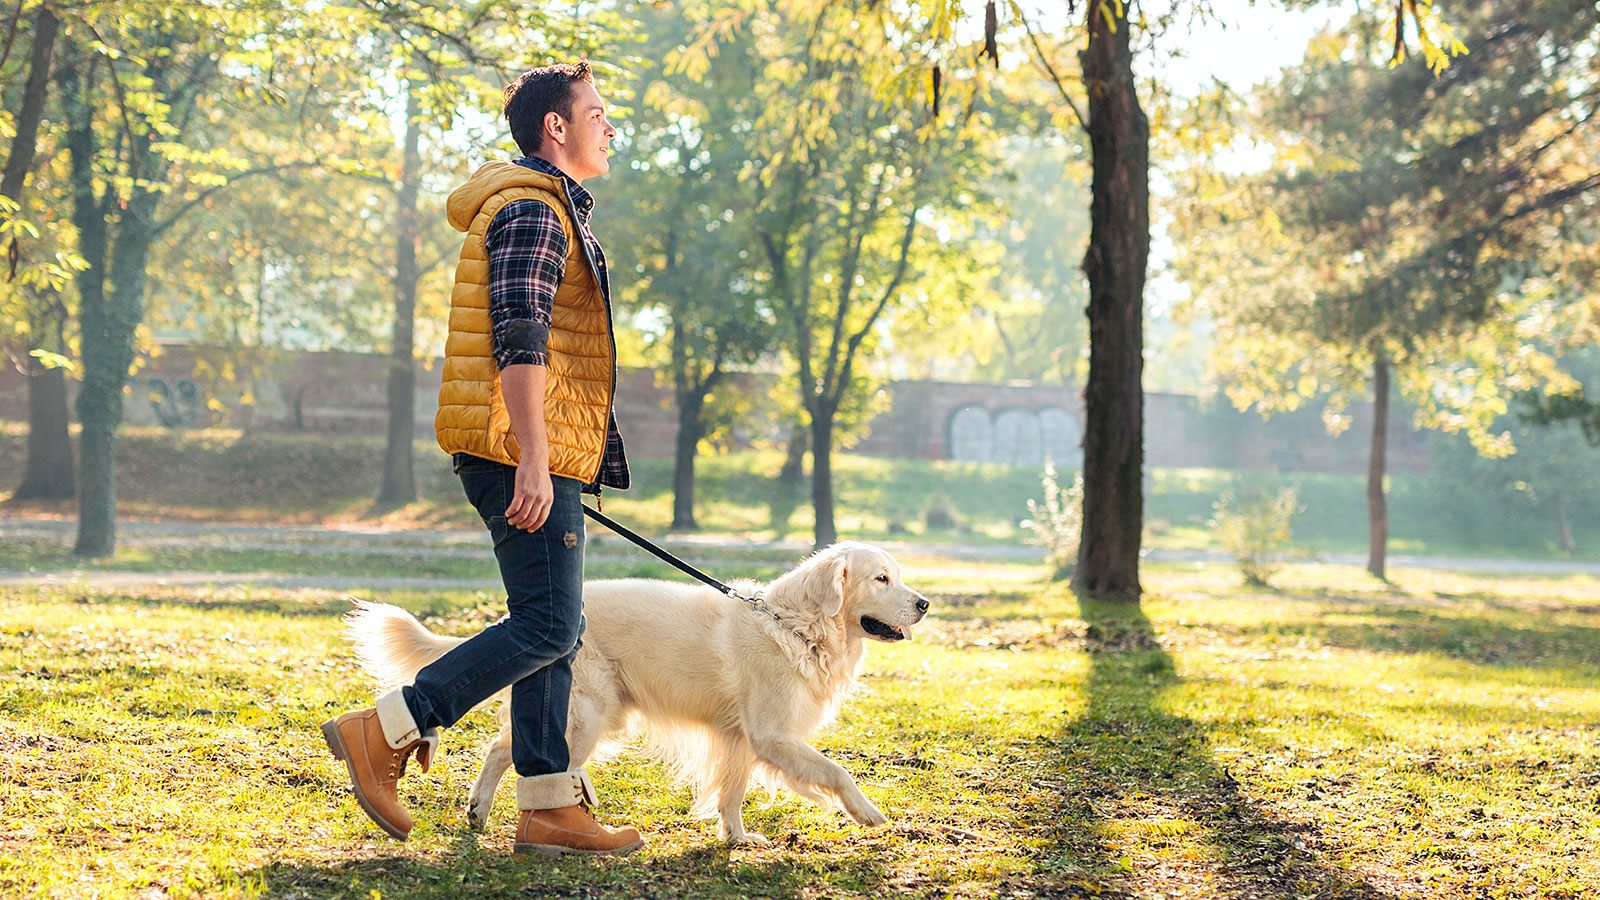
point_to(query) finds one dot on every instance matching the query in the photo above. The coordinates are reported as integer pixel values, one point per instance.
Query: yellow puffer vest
(581, 354)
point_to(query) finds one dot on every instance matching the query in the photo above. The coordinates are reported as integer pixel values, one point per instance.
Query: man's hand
(532, 497)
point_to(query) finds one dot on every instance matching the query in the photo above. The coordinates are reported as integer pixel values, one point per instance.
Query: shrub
(1256, 525)
(1057, 522)
(938, 514)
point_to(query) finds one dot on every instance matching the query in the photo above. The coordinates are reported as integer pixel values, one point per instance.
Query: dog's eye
(882, 578)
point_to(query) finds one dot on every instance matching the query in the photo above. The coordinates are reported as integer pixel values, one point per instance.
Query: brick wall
(181, 387)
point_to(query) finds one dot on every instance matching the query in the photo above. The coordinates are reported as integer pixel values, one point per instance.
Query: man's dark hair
(537, 92)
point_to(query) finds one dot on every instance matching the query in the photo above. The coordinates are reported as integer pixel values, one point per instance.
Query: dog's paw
(748, 839)
(869, 815)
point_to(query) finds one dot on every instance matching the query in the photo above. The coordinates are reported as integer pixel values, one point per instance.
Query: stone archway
(1014, 436)
(970, 434)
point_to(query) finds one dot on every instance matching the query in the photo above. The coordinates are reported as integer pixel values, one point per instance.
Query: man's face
(587, 136)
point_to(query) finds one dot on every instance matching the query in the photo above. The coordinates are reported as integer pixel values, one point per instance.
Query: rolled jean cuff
(399, 726)
(557, 790)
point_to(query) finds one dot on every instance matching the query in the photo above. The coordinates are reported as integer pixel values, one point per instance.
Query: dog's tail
(391, 645)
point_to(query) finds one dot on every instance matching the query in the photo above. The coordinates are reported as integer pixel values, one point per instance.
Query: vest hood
(490, 179)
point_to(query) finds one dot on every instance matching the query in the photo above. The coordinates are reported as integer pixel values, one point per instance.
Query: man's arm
(527, 251)
(522, 387)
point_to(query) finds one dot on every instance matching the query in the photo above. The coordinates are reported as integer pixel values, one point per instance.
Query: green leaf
(53, 360)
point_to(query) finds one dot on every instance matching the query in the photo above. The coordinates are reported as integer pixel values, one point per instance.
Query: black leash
(757, 603)
(663, 555)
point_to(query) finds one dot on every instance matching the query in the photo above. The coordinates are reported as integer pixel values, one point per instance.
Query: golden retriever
(723, 688)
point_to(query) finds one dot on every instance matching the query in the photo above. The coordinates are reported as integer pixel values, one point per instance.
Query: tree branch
(464, 46)
(1050, 70)
(1548, 200)
(122, 101)
(11, 32)
(888, 294)
(162, 226)
(857, 226)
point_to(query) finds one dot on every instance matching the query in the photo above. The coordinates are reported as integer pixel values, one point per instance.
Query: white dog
(724, 688)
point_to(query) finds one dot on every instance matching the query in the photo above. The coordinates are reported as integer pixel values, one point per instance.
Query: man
(525, 409)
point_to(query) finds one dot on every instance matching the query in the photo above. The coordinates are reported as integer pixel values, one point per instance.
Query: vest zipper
(611, 332)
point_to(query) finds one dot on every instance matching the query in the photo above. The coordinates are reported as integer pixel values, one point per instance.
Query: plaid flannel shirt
(527, 251)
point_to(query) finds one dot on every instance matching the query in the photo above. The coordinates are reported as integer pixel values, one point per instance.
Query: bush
(1256, 525)
(1058, 522)
(938, 514)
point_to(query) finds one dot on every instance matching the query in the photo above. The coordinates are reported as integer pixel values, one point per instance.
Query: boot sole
(330, 733)
(554, 850)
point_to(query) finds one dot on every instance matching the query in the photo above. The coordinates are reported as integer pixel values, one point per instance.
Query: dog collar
(758, 603)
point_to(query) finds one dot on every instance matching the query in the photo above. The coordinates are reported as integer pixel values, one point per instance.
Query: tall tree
(399, 485)
(1402, 233)
(1118, 134)
(132, 83)
(107, 319)
(680, 222)
(48, 472)
(1119, 251)
(854, 184)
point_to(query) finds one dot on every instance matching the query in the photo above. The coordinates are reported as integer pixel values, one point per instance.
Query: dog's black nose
(922, 604)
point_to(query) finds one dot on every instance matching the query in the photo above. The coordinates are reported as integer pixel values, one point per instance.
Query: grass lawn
(1434, 739)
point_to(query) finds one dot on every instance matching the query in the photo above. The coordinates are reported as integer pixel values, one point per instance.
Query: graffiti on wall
(176, 401)
(1024, 437)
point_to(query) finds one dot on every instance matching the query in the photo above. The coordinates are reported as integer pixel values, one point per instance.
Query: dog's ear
(825, 582)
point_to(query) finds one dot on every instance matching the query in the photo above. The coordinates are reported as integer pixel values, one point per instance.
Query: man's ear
(554, 127)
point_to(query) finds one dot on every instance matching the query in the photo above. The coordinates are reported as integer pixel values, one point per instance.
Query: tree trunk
(399, 480)
(1377, 505)
(822, 476)
(108, 357)
(1558, 506)
(691, 404)
(48, 473)
(100, 398)
(794, 459)
(1119, 249)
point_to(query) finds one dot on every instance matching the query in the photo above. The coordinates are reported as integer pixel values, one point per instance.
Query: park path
(469, 544)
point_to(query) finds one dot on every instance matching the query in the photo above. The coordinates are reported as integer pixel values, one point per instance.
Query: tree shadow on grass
(1528, 642)
(1143, 800)
(470, 870)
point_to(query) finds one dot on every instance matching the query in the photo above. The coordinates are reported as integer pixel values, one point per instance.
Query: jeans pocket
(499, 529)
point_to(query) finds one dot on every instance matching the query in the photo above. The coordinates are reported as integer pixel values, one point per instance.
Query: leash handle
(659, 553)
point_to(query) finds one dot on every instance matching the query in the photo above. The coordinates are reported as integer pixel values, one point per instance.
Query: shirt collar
(581, 198)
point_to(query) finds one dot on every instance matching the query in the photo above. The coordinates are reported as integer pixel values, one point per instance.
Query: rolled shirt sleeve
(527, 251)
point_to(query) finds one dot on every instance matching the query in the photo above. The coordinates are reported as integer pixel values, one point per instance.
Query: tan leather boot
(549, 829)
(376, 765)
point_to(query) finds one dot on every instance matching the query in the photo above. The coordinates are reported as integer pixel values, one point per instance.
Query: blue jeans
(532, 648)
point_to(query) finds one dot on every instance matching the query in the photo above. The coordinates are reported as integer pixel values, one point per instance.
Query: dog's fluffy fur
(723, 690)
